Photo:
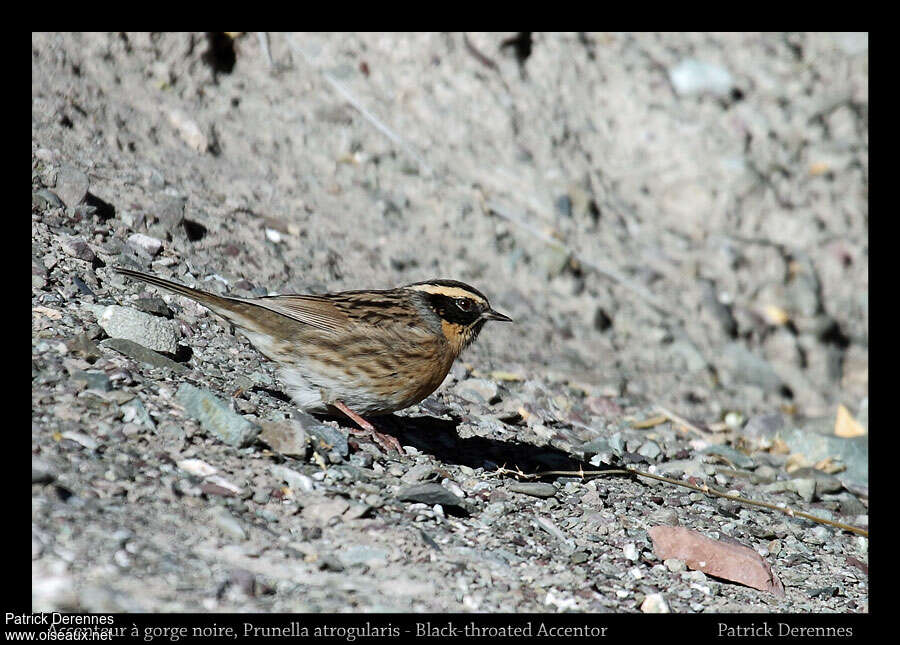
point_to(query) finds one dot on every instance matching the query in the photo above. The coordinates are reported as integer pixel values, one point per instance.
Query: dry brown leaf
(714, 557)
(779, 447)
(796, 461)
(830, 466)
(846, 426)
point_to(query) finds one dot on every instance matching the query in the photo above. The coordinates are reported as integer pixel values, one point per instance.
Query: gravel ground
(674, 220)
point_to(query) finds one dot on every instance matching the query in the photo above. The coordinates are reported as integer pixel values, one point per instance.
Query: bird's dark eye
(466, 304)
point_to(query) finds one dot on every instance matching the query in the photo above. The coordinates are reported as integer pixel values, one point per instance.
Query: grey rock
(805, 487)
(41, 472)
(45, 198)
(850, 505)
(140, 353)
(325, 438)
(765, 474)
(95, 380)
(81, 438)
(617, 443)
(297, 481)
(736, 457)
(650, 450)
(357, 511)
(135, 411)
(285, 437)
(825, 483)
(534, 489)
(228, 524)
(430, 493)
(145, 244)
(83, 346)
(478, 390)
(580, 557)
(152, 332)
(417, 474)
(71, 185)
(692, 76)
(322, 509)
(675, 565)
(77, 248)
(170, 211)
(155, 306)
(663, 517)
(853, 452)
(690, 467)
(655, 603)
(763, 426)
(216, 417)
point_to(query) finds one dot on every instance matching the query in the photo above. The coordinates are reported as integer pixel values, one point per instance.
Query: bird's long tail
(205, 298)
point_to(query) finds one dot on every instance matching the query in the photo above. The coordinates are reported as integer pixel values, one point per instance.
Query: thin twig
(701, 489)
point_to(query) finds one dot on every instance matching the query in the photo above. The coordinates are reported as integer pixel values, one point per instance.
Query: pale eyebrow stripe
(450, 292)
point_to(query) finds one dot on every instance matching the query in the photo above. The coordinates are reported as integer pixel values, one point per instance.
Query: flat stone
(675, 565)
(478, 390)
(650, 450)
(77, 248)
(815, 446)
(135, 411)
(228, 524)
(324, 508)
(534, 489)
(417, 473)
(736, 457)
(430, 493)
(297, 481)
(140, 353)
(285, 437)
(692, 76)
(325, 437)
(45, 198)
(216, 417)
(71, 185)
(153, 305)
(152, 332)
(145, 244)
(763, 426)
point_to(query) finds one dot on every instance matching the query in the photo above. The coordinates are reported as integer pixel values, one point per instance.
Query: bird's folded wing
(315, 311)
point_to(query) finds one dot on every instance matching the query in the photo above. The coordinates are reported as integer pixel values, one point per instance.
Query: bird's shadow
(440, 438)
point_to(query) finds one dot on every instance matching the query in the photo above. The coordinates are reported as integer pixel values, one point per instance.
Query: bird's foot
(386, 441)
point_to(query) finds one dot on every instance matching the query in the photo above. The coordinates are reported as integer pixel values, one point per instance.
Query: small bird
(367, 352)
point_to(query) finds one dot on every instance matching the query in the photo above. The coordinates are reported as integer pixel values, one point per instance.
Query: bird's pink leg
(386, 441)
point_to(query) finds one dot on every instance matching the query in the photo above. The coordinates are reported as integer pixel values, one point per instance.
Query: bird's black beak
(490, 314)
